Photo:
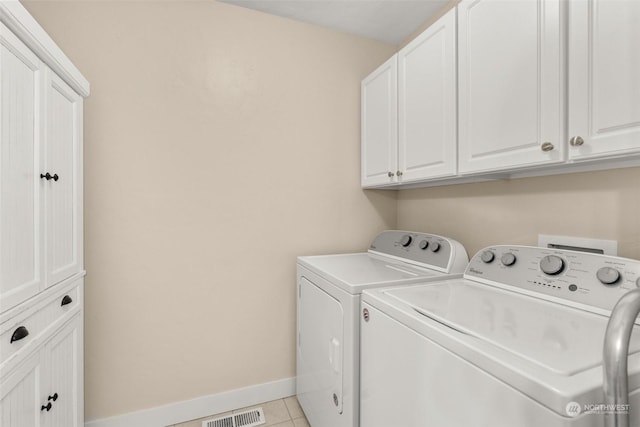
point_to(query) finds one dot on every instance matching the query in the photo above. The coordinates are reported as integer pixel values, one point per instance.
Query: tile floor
(278, 413)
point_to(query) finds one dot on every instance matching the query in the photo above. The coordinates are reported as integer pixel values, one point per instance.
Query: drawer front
(27, 330)
(54, 312)
(20, 333)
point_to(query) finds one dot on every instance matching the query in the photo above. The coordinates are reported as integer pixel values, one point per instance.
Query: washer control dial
(552, 265)
(406, 240)
(608, 275)
(424, 244)
(487, 256)
(508, 259)
(435, 247)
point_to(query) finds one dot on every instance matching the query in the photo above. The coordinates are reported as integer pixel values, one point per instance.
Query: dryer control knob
(508, 259)
(487, 256)
(552, 265)
(435, 247)
(406, 240)
(608, 275)
(638, 282)
(424, 244)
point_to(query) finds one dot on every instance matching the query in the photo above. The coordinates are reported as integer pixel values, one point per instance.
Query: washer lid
(563, 339)
(358, 271)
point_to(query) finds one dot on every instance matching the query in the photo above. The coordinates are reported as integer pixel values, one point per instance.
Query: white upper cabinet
(510, 84)
(604, 78)
(543, 87)
(409, 111)
(63, 161)
(427, 103)
(21, 228)
(379, 126)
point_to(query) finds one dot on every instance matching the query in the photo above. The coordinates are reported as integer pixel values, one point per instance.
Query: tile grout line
(288, 410)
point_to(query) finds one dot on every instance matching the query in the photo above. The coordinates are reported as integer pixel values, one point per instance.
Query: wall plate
(581, 244)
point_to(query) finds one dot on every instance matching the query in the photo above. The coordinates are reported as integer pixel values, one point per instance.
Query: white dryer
(329, 289)
(518, 341)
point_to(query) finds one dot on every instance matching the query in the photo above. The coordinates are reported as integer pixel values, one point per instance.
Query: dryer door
(320, 351)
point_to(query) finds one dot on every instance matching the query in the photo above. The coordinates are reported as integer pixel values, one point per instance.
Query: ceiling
(390, 21)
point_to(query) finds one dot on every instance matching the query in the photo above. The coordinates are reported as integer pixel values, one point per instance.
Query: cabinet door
(379, 127)
(604, 87)
(20, 395)
(62, 357)
(62, 160)
(427, 144)
(510, 84)
(20, 197)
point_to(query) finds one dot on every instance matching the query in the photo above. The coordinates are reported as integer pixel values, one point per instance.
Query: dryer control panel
(577, 278)
(428, 250)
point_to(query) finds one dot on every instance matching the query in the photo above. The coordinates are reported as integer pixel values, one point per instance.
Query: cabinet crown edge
(14, 15)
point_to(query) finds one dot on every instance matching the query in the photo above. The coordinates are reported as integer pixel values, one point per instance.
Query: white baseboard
(180, 412)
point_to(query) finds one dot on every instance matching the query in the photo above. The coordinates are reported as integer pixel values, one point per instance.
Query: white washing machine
(329, 289)
(518, 341)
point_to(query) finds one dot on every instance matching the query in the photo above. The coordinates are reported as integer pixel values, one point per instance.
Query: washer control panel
(584, 278)
(425, 249)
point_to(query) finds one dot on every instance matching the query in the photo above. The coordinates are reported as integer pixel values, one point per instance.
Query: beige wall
(603, 205)
(219, 144)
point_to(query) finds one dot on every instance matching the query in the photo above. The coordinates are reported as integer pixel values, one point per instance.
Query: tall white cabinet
(41, 262)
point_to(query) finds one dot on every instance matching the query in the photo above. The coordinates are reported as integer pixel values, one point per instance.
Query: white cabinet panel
(41, 263)
(62, 161)
(427, 103)
(64, 362)
(510, 84)
(20, 218)
(20, 395)
(379, 126)
(604, 87)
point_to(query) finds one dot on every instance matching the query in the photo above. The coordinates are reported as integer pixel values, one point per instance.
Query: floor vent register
(250, 418)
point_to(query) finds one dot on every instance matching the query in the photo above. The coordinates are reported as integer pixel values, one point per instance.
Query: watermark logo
(573, 409)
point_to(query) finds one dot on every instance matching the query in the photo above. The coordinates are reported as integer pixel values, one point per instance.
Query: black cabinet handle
(48, 176)
(48, 407)
(54, 397)
(19, 333)
(66, 300)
